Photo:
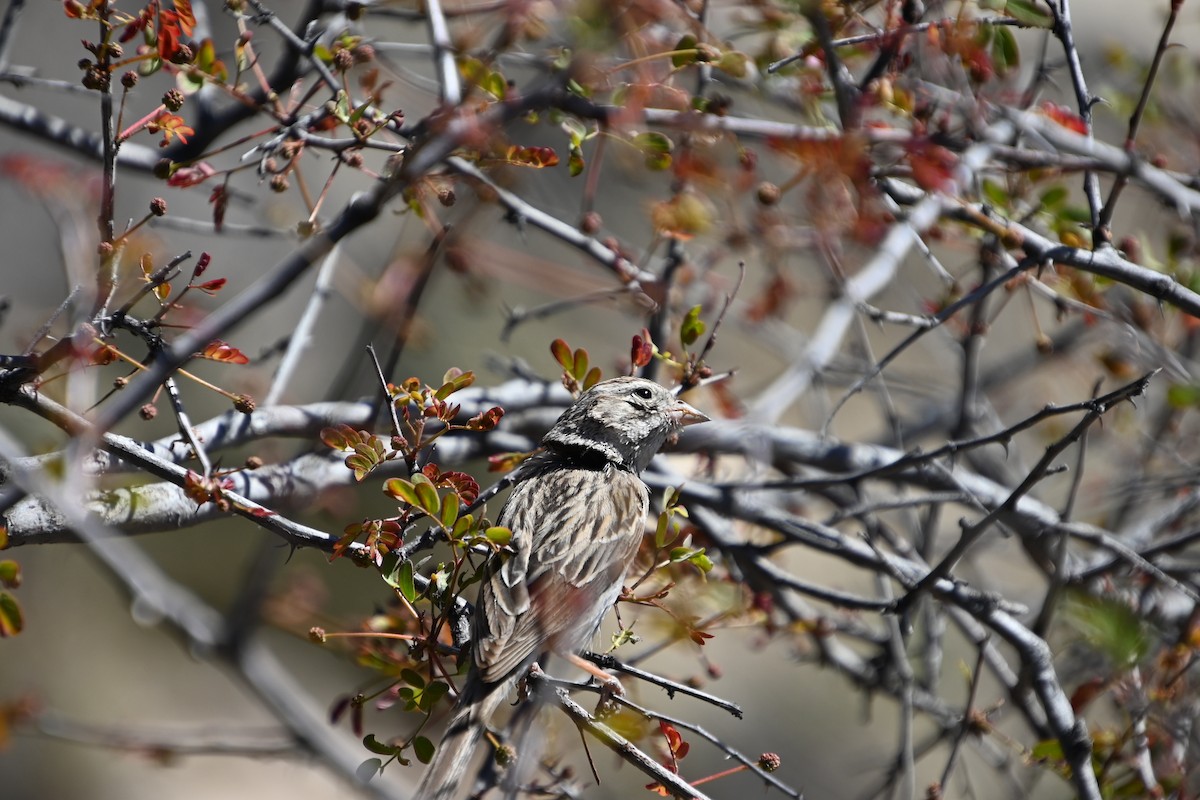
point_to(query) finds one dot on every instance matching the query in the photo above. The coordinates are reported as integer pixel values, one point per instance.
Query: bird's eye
(643, 392)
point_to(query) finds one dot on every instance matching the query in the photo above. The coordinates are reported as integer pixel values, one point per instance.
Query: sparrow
(577, 517)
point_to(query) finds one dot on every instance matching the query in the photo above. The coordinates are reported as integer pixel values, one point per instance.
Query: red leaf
(932, 166)
(201, 264)
(169, 31)
(218, 350)
(187, 20)
(211, 287)
(103, 354)
(642, 350)
(536, 157)
(220, 201)
(190, 175)
(1065, 117)
(562, 354)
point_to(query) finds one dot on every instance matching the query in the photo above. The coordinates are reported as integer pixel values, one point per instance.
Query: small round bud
(343, 59)
(115, 50)
(364, 54)
(590, 223)
(354, 159)
(767, 193)
(1131, 246)
(446, 197)
(173, 100)
(505, 755)
(254, 462)
(769, 762)
(158, 206)
(96, 78)
(148, 412)
(129, 79)
(316, 635)
(163, 168)
(183, 55)
(243, 403)
(279, 183)
(120, 382)
(84, 63)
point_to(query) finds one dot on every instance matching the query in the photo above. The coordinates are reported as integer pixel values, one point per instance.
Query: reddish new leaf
(218, 350)
(932, 166)
(642, 349)
(211, 287)
(187, 19)
(190, 175)
(1065, 117)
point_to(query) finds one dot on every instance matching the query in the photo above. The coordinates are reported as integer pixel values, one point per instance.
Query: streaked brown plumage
(577, 518)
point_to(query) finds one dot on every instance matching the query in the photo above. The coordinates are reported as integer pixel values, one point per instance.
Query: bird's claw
(610, 688)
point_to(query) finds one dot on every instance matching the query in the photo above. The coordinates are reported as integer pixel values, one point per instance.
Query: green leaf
(658, 162)
(581, 364)
(664, 527)
(1184, 395)
(463, 526)
(427, 499)
(412, 678)
(562, 354)
(701, 561)
(436, 691)
(498, 535)
(423, 749)
(575, 129)
(449, 513)
(12, 620)
(1005, 53)
(680, 554)
(400, 578)
(496, 85)
(368, 770)
(402, 490)
(1053, 197)
(688, 42)
(149, 67)
(734, 63)
(10, 574)
(1029, 13)
(1047, 750)
(377, 747)
(1112, 627)
(653, 142)
(995, 194)
(692, 328)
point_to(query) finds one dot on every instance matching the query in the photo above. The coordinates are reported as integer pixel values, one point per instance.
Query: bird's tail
(446, 772)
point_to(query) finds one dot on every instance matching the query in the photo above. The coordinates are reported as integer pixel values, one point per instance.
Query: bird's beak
(685, 414)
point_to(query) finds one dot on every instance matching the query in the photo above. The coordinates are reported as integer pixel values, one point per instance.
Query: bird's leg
(609, 685)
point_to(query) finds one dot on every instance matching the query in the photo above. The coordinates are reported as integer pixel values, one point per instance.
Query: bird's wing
(572, 547)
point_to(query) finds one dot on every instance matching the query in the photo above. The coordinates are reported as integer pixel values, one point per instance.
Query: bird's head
(626, 420)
